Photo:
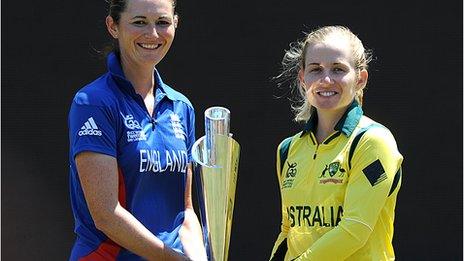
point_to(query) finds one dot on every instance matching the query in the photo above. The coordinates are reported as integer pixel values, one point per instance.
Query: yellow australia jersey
(338, 197)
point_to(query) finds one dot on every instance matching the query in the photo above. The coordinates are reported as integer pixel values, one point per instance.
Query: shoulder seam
(357, 138)
(178, 95)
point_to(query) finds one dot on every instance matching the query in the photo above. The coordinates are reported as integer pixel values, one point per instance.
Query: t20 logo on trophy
(215, 160)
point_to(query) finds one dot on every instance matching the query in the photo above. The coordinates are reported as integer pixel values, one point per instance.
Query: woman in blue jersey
(130, 141)
(339, 177)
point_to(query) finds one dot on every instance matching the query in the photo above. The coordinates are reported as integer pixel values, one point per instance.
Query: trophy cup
(215, 166)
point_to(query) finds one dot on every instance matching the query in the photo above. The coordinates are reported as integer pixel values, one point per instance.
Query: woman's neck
(326, 121)
(141, 77)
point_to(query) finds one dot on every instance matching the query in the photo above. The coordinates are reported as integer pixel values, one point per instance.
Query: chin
(325, 105)
(326, 108)
(331, 107)
(149, 59)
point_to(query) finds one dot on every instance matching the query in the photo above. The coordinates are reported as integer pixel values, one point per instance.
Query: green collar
(346, 124)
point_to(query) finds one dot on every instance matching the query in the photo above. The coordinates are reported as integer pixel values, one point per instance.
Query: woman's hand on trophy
(170, 255)
(191, 237)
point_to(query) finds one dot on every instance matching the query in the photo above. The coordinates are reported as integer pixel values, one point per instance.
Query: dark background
(225, 53)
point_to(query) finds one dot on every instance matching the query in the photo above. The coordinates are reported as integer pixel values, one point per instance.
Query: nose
(151, 32)
(326, 79)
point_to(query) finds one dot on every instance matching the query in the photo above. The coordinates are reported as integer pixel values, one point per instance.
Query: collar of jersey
(346, 124)
(114, 67)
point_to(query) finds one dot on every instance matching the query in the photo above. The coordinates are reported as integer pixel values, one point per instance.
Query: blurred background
(225, 53)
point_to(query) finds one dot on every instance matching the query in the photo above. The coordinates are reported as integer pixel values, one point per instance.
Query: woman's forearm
(191, 236)
(98, 176)
(124, 229)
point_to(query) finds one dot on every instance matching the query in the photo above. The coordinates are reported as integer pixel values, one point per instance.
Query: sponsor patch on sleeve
(375, 173)
(89, 128)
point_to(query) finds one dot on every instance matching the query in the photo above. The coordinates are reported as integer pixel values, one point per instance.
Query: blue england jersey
(152, 151)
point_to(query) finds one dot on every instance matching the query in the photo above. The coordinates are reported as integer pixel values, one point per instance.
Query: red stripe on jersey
(121, 189)
(107, 250)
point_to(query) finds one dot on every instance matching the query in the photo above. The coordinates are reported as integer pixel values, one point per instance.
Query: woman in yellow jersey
(339, 177)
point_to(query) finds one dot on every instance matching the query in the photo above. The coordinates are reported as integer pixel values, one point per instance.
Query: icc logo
(130, 122)
(291, 171)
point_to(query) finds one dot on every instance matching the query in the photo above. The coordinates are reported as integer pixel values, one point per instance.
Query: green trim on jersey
(339, 196)
(346, 124)
(284, 147)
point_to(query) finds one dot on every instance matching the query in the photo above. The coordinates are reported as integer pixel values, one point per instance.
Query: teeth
(326, 94)
(150, 46)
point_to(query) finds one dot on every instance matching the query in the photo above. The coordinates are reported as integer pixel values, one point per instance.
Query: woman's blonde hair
(294, 61)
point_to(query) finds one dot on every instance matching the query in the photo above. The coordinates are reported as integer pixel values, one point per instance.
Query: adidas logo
(90, 128)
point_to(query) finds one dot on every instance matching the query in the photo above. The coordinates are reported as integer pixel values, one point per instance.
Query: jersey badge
(290, 175)
(328, 175)
(135, 132)
(177, 127)
(130, 122)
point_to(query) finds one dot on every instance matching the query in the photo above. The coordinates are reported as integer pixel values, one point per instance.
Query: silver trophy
(215, 162)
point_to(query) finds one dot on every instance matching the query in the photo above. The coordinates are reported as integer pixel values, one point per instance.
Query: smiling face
(329, 77)
(145, 31)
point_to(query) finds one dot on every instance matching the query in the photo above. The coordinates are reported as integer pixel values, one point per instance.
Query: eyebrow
(336, 63)
(139, 16)
(144, 17)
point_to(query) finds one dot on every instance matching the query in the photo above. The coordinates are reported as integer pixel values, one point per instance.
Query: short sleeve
(91, 128)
